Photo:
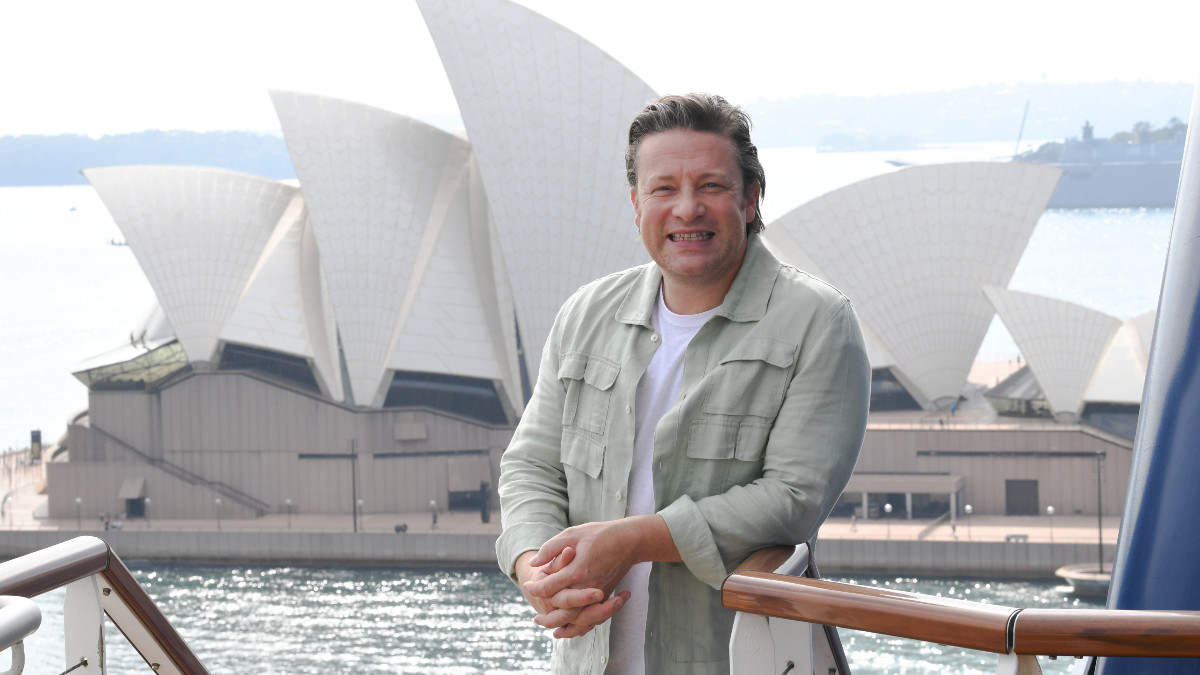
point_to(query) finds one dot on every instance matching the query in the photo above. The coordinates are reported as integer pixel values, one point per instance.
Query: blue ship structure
(1157, 563)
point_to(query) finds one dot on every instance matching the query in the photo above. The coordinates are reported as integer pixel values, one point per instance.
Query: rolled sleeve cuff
(517, 539)
(694, 541)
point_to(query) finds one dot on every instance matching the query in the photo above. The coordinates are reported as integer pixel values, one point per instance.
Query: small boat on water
(1088, 580)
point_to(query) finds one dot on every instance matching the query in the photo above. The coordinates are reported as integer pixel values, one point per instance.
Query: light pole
(967, 510)
(288, 505)
(1099, 515)
(1050, 512)
(146, 510)
(887, 509)
(217, 501)
(354, 501)
(359, 505)
(433, 511)
(78, 513)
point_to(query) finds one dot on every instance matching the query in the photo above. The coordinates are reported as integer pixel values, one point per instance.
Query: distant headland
(832, 123)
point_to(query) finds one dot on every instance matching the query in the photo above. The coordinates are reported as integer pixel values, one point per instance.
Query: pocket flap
(595, 370)
(775, 352)
(720, 439)
(601, 373)
(583, 453)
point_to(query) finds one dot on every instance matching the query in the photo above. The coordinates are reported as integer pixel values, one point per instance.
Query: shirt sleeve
(809, 456)
(533, 484)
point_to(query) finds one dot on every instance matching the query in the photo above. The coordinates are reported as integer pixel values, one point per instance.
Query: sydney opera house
(366, 339)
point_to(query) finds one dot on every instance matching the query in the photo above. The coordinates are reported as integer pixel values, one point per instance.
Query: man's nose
(688, 205)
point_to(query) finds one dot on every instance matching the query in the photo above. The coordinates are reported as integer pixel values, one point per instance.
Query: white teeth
(698, 236)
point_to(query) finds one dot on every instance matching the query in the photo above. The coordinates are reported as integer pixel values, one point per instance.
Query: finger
(592, 616)
(556, 618)
(572, 630)
(550, 550)
(549, 585)
(600, 612)
(575, 598)
(560, 561)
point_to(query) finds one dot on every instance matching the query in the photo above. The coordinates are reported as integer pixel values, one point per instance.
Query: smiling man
(687, 413)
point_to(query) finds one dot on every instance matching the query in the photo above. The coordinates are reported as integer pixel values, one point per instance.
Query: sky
(116, 67)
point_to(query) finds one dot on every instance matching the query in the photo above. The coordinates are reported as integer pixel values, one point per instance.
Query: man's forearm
(651, 538)
(603, 552)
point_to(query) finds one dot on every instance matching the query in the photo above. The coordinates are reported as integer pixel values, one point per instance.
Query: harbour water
(300, 620)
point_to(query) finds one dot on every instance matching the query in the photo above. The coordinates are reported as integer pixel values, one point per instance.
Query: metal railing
(249, 501)
(935, 524)
(19, 618)
(1018, 635)
(97, 583)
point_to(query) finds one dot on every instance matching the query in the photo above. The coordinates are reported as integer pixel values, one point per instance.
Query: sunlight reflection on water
(329, 620)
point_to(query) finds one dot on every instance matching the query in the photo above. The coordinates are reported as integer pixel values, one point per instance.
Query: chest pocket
(588, 380)
(751, 379)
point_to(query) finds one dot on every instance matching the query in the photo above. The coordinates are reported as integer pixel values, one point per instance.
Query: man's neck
(681, 299)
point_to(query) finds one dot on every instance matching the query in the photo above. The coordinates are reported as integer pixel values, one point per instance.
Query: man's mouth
(691, 236)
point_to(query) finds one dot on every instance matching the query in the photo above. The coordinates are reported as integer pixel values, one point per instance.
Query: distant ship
(1133, 169)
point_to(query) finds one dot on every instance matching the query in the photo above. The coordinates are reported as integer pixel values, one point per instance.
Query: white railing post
(1013, 664)
(762, 644)
(83, 627)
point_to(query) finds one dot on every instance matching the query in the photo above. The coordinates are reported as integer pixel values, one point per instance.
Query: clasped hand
(569, 581)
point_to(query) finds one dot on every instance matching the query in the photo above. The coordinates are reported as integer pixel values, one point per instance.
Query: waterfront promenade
(978, 546)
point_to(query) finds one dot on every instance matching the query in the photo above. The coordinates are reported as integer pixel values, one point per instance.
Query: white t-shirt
(656, 393)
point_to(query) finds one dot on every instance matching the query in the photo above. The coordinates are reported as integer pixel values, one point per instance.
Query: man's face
(691, 208)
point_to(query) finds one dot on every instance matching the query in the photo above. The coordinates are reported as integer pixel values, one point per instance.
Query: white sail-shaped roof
(1144, 324)
(197, 234)
(286, 306)
(383, 191)
(1121, 373)
(547, 113)
(1063, 343)
(911, 249)
(457, 322)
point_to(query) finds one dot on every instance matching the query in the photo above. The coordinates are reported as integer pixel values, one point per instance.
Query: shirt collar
(746, 299)
(751, 290)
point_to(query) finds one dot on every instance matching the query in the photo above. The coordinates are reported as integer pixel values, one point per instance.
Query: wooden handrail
(1107, 632)
(124, 600)
(920, 617)
(753, 587)
(148, 618)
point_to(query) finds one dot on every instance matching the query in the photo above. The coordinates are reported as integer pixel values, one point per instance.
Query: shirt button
(620, 495)
(654, 337)
(661, 465)
(603, 660)
(628, 410)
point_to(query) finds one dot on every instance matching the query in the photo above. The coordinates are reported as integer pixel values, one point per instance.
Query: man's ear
(752, 202)
(637, 208)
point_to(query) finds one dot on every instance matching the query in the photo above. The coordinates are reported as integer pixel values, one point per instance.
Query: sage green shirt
(759, 443)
